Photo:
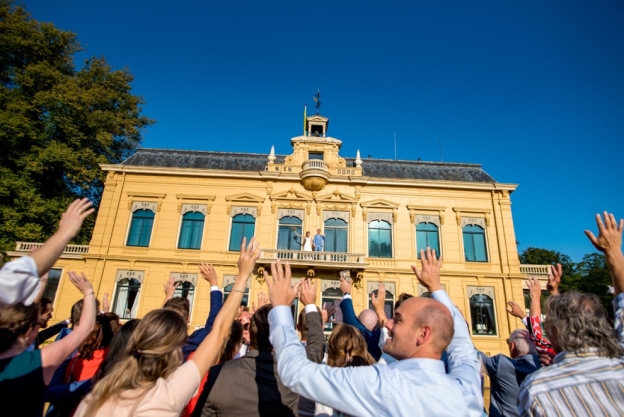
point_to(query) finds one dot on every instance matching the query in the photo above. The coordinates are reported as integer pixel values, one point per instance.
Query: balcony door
(336, 235)
(289, 233)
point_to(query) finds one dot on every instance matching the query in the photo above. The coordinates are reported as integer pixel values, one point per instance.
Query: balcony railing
(69, 249)
(307, 258)
(315, 164)
(535, 269)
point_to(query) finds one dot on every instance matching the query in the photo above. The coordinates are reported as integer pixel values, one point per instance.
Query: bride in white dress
(307, 241)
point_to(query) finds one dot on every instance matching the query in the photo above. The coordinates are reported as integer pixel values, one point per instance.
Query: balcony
(321, 260)
(70, 251)
(314, 174)
(536, 270)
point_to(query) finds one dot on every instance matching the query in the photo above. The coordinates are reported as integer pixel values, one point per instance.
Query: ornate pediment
(291, 199)
(336, 197)
(244, 198)
(379, 204)
(291, 194)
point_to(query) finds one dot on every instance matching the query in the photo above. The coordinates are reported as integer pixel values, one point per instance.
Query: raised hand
(71, 220)
(535, 289)
(345, 286)
(208, 273)
(515, 310)
(307, 292)
(81, 282)
(379, 300)
(105, 303)
(429, 276)
(280, 291)
(263, 299)
(249, 254)
(328, 311)
(554, 278)
(609, 234)
(169, 287)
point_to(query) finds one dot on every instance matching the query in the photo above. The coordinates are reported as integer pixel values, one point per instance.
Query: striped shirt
(577, 384)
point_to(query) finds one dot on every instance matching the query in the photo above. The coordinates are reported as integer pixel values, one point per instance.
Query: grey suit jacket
(250, 386)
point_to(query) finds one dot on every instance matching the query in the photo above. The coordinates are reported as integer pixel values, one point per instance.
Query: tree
(57, 124)
(539, 256)
(595, 278)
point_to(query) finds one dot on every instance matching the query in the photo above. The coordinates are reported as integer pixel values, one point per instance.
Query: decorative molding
(387, 217)
(417, 209)
(476, 221)
(329, 283)
(377, 205)
(146, 194)
(425, 218)
(129, 274)
(290, 212)
(252, 211)
(474, 290)
(185, 208)
(374, 285)
(195, 197)
(143, 205)
(336, 196)
(291, 194)
(466, 211)
(422, 289)
(336, 214)
(286, 206)
(185, 277)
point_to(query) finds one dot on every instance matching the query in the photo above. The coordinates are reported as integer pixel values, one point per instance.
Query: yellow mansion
(165, 211)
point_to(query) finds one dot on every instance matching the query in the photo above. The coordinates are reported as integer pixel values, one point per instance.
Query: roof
(378, 168)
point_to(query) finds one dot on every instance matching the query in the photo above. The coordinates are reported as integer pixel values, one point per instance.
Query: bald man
(415, 385)
(369, 319)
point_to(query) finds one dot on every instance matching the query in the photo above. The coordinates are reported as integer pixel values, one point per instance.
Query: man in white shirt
(416, 384)
(19, 279)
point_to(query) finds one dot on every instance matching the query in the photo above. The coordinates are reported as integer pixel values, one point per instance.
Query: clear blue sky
(534, 92)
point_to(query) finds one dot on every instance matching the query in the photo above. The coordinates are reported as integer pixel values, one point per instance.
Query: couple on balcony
(309, 244)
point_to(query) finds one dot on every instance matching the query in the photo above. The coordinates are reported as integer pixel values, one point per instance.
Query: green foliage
(591, 275)
(57, 124)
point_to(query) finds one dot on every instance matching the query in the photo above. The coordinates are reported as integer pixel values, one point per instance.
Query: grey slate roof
(379, 168)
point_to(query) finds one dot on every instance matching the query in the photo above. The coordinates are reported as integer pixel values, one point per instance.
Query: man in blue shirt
(416, 384)
(319, 241)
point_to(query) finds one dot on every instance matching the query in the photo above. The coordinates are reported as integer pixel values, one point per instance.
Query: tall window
(127, 298)
(427, 236)
(192, 230)
(482, 315)
(379, 239)
(289, 228)
(228, 289)
(332, 296)
(474, 243)
(336, 235)
(388, 304)
(54, 277)
(243, 225)
(141, 228)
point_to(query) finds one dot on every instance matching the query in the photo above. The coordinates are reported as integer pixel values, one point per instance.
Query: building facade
(165, 211)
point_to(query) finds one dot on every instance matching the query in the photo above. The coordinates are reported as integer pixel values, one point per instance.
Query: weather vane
(317, 100)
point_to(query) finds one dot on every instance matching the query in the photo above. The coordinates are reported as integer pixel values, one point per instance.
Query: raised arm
(169, 288)
(216, 297)
(208, 352)
(535, 292)
(378, 301)
(463, 360)
(55, 353)
(315, 343)
(609, 242)
(69, 226)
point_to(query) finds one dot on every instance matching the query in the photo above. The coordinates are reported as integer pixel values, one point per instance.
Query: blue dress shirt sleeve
(198, 336)
(463, 359)
(372, 338)
(353, 390)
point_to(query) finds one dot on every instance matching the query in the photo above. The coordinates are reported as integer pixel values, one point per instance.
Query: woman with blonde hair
(150, 380)
(346, 347)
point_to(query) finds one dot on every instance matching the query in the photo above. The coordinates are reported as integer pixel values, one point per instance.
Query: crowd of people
(256, 362)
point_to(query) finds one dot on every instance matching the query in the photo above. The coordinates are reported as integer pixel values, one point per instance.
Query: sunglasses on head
(246, 326)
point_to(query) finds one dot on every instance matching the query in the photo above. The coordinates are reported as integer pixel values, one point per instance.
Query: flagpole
(305, 108)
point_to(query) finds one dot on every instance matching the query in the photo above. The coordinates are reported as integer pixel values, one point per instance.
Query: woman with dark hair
(87, 361)
(117, 348)
(25, 375)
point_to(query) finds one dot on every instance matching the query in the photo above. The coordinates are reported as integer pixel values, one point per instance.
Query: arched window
(482, 314)
(379, 239)
(336, 235)
(54, 277)
(427, 236)
(127, 298)
(192, 230)
(243, 225)
(474, 243)
(332, 296)
(141, 228)
(289, 230)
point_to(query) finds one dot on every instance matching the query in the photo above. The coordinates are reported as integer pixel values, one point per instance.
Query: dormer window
(316, 155)
(316, 130)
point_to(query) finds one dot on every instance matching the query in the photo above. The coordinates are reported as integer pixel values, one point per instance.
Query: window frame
(490, 292)
(373, 286)
(130, 228)
(278, 229)
(439, 252)
(229, 240)
(391, 239)
(58, 285)
(116, 295)
(324, 231)
(201, 242)
(485, 241)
